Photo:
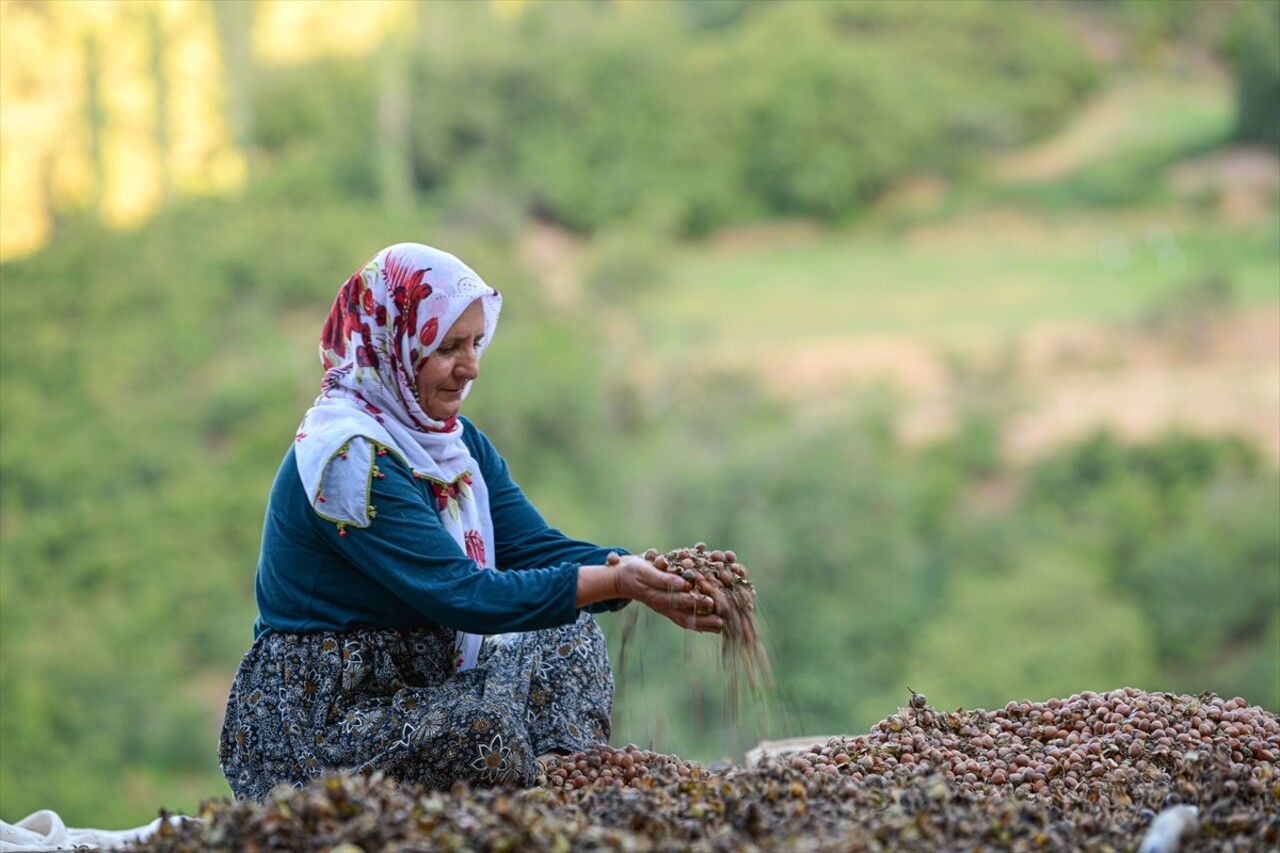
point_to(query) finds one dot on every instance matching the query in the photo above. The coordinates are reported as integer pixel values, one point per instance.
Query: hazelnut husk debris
(1090, 772)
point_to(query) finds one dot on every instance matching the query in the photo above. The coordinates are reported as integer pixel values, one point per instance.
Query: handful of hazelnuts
(717, 574)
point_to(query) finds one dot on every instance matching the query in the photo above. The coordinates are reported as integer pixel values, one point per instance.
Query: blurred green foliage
(1185, 528)
(1254, 47)
(153, 379)
(808, 109)
(1153, 565)
(1244, 32)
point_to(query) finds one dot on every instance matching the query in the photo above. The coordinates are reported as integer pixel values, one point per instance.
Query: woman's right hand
(637, 579)
(666, 593)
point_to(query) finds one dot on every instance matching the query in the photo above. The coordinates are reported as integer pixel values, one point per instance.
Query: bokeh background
(959, 321)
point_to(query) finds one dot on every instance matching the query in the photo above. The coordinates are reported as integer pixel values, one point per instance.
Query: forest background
(959, 321)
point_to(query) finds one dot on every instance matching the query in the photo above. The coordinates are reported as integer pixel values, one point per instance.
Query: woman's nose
(468, 366)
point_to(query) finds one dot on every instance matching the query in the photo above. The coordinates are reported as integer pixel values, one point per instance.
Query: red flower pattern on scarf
(343, 317)
(475, 546)
(446, 493)
(430, 329)
(441, 491)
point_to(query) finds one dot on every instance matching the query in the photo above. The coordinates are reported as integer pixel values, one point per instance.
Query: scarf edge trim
(371, 512)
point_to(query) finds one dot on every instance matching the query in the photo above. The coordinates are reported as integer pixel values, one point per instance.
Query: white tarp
(43, 831)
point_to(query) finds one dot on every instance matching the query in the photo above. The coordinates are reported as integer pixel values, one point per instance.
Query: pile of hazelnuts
(1088, 747)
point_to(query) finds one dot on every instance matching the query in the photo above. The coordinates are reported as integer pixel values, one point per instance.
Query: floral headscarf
(385, 323)
(388, 318)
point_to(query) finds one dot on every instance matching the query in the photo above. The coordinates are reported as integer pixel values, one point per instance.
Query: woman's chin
(444, 413)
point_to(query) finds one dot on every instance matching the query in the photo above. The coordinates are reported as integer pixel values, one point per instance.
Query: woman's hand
(636, 578)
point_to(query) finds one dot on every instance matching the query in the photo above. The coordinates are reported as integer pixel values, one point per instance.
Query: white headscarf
(386, 321)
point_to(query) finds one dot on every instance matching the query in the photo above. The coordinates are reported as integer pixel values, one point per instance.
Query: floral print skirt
(384, 699)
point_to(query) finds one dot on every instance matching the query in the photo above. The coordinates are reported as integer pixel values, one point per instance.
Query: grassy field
(995, 272)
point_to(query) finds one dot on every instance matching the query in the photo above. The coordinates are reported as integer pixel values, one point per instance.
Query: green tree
(1254, 49)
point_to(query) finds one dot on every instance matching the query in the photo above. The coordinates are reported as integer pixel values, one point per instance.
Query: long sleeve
(402, 570)
(408, 551)
(523, 539)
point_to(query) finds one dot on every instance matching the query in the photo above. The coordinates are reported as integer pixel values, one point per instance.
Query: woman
(417, 615)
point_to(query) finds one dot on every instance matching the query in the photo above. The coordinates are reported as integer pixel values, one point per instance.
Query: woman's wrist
(598, 583)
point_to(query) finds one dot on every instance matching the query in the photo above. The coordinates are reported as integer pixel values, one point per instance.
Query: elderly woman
(417, 614)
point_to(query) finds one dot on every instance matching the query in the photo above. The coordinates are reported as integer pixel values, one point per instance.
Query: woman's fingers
(672, 595)
(696, 602)
(642, 578)
(705, 624)
(719, 602)
(690, 610)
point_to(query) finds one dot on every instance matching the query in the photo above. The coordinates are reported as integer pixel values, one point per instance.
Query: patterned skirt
(382, 699)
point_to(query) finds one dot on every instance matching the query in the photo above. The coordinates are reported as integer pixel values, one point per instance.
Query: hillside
(986, 401)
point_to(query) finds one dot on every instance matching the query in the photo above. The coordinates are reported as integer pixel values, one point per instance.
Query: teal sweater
(404, 570)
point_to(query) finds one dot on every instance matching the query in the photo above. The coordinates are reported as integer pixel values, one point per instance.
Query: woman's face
(446, 372)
